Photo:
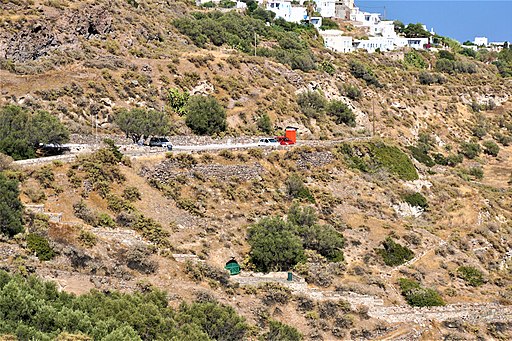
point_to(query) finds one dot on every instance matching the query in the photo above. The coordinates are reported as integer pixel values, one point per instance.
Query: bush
(178, 100)
(470, 150)
(374, 156)
(421, 156)
(312, 103)
(274, 245)
(205, 116)
(85, 213)
(414, 59)
(11, 208)
(471, 275)
(265, 124)
(418, 296)
(280, 331)
(491, 148)
(342, 113)
(87, 238)
(104, 220)
(275, 294)
(131, 194)
(416, 199)
(477, 172)
(40, 246)
(138, 258)
(393, 253)
(328, 67)
(45, 176)
(296, 189)
(359, 70)
(427, 78)
(352, 92)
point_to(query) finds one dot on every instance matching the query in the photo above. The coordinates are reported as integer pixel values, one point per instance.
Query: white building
(291, 13)
(481, 41)
(326, 8)
(335, 40)
(373, 43)
(364, 18)
(415, 43)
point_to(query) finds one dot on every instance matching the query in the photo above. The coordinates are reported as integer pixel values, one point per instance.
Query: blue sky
(461, 20)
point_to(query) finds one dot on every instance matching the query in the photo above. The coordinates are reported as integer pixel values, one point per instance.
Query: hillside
(407, 203)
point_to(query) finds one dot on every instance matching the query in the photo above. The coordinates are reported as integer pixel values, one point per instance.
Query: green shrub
(414, 59)
(491, 148)
(341, 112)
(352, 92)
(427, 78)
(131, 194)
(265, 124)
(328, 67)
(312, 103)
(45, 176)
(11, 208)
(101, 169)
(205, 116)
(295, 188)
(104, 220)
(470, 150)
(87, 238)
(393, 253)
(178, 100)
(281, 331)
(373, 156)
(471, 275)
(421, 156)
(478, 130)
(477, 172)
(85, 213)
(274, 245)
(361, 71)
(418, 296)
(453, 160)
(40, 246)
(116, 204)
(416, 199)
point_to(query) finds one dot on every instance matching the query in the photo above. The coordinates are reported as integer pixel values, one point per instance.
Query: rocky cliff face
(52, 29)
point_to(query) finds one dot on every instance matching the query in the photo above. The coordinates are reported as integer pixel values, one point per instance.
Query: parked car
(284, 141)
(268, 142)
(160, 142)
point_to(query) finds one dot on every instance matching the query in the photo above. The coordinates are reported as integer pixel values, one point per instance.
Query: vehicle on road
(160, 142)
(284, 141)
(268, 142)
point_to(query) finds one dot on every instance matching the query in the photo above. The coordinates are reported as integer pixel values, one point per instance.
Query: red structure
(291, 133)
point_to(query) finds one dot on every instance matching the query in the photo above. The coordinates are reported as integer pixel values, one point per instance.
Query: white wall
(334, 40)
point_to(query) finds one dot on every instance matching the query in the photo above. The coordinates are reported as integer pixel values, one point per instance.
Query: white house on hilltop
(481, 41)
(336, 41)
(292, 13)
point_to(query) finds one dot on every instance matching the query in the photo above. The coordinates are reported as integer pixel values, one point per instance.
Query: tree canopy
(141, 123)
(205, 116)
(11, 209)
(32, 309)
(23, 132)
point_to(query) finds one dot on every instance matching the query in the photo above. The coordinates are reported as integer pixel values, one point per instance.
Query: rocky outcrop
(55, 29)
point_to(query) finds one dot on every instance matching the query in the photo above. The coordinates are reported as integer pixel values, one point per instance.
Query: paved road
(138, 151)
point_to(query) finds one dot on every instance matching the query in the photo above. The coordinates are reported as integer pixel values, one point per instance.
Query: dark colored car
(160, 142)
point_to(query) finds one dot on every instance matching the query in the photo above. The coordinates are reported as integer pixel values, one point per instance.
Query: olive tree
(140, 123)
